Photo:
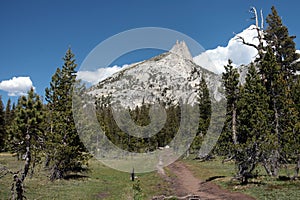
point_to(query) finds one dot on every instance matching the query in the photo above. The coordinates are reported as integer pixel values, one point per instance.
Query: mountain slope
(168, 77)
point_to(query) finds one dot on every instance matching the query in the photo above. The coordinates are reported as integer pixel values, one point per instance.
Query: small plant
(137, 191)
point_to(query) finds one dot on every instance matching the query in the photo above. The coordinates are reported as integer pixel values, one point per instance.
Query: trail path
(185, 183)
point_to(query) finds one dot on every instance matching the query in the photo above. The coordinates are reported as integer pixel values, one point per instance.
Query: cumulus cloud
(16, 86)
(215, 59)
(100, 74)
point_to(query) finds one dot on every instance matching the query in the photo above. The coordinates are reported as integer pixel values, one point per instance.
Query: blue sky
(35, 35)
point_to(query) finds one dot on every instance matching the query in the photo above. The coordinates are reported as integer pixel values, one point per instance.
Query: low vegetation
(100, 182)
(261, 187)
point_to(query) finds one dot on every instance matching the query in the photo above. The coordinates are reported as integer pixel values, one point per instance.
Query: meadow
(101, 182)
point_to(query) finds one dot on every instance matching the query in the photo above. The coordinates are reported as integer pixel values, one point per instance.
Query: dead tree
(260, 33)
(17, 187)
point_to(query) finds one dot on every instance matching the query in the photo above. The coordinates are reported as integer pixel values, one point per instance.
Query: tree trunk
(27, 158)
(18, 187)
(234, 138)
(275, 153)
(47, 161)
(265, 165)
(274, 162)
(27, 164)
(297, 168)
(56, 173)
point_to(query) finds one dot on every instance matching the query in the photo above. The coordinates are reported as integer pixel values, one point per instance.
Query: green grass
(100, 182)
(262, 188)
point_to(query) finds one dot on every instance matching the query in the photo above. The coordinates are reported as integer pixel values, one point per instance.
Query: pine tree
(8, 113)
(204, 107)
(278, 67)
(8, 116)
(284, 49)
(26, 137)
(296, 93)
(282, 44)
(65, 153)
(2, 126)
(26, 131)
(253, 124)
(204, 103)
(293, 143)
(228, 136)
(268, 117)
(277, 64)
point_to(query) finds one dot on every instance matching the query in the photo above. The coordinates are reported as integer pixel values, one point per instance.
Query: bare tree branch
(253, 10)
(259, 30)
(246, 43)
(262, 19)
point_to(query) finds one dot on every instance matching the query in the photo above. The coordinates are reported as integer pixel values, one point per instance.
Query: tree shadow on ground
(75, 177)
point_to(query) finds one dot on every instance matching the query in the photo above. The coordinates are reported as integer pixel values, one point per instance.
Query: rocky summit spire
(181, 49)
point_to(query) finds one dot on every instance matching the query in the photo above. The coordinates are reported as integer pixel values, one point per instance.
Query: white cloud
(215, 59)
(100, 74)
(16, 86)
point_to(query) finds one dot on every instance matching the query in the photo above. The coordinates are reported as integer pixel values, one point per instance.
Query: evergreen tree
(204, 107)
(9, 116)
(284, 49)
(26, 130)
(26, 137)
(282, 44)
(204, 103)
(278, 67)
(8, 113)
(277, 64)
(253, 124)
(228, 136)
(2, 126)
(65, 153)
(293, 144)
(296, 93)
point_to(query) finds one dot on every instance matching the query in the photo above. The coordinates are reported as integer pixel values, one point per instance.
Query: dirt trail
(185, 183)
